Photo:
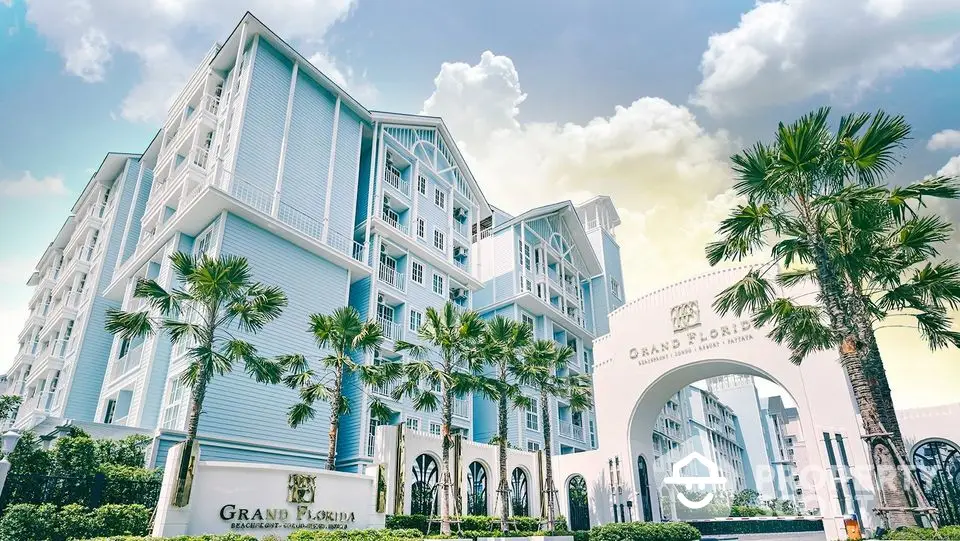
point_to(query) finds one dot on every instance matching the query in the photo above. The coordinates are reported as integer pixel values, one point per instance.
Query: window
(420, 228)
(438, 284)
(416, 319)
(439, 198)
(371, 439)
(173, 411)
(124, 348)
(434, 428)
(416, 272)
(615, 288)
(412, 423)
(422, 185)
(525, 254)
(533, 446)
(533, 415)
(111, 407)
(204, 243)
(526, 319)
(438, 240)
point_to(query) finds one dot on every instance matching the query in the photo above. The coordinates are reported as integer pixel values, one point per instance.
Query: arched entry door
(938, 472)
(645, 489)
(579, 507)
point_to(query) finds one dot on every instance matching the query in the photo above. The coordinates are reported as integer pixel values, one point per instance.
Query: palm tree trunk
(445, 479)
(335, 407)
(503, 491)
(890, 478)
(549, 489)
(196, 405)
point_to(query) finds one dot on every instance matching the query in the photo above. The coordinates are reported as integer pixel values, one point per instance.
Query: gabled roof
(109, 168)
(568, 213)
(437, 122)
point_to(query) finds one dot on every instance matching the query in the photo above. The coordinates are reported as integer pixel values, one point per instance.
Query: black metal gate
(579, 507)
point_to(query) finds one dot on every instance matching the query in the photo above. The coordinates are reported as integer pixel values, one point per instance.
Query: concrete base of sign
(265, 499)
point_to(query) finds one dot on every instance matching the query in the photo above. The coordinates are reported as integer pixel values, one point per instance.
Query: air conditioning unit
(458, 292)
(379, 299)
(459, 212)
(459, 251)
(386, 201)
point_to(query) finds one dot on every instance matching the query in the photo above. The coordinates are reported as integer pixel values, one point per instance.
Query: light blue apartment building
(261, 155)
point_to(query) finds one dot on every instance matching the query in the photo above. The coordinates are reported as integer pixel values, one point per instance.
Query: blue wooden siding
(132, 234)
(307, 158)
(312, 285)
(214, 450)
(346, 168)
(258, 152)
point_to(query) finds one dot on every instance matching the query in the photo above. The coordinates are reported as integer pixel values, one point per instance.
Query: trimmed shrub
(28, 522)
(487, 525)
(946, 532)
(208, 537)
(645, 531)
(380, 534)
(736, 527)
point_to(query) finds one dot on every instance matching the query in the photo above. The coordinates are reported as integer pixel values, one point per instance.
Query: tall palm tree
(507, 340)
(795, 188)
(543, 359)
(445, 360)
(342, 334)
(210, 300)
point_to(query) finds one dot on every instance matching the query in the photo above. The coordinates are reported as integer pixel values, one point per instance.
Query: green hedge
(355, 535)
(733, 527)
(470, 523)
(946, 532)
(28, 522)
(645, 531)
(220, 537)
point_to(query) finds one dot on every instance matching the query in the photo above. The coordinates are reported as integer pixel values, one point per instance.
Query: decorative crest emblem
(685, 316)
(301, 488)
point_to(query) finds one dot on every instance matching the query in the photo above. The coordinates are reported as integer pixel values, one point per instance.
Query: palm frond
(749, 294)
(129, 324)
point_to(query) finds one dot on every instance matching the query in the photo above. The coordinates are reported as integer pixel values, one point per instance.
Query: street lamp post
(9, 443)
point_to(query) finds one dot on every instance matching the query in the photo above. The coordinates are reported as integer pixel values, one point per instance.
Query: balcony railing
(460, 228)
(385, 390)
(462, 264)
(391, 330)
(391, 277)
(394, 221)
(392, 177)
(297, 219)
(572, 431)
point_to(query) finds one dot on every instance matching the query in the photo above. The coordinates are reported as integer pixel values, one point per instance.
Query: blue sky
(642, 100)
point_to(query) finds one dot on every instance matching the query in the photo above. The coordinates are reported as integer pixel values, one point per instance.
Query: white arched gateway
(671, 338)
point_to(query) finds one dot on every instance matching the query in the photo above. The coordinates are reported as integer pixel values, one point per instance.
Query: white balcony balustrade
(393, 178)
(391, 277)
(391, 330)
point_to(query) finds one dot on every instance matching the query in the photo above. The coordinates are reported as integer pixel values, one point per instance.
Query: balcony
(391, 330)
(393, 178)
(572, 431)
(386, 390)
(461, 229)
(462, 264)
(65, 308)
(391, 277)
(393, 220)
(300, 221)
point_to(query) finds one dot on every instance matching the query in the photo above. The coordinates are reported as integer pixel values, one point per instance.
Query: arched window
(645, 489)
(579, 507)
(938, 472)
(423, 492)
(518, 493)
(477, 489)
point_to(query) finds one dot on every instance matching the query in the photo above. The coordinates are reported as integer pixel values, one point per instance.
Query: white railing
(462, 264)
(394, 221)
(578, 432)
(385, 390)
(460, 228)
(391, 330)
(210, 104)
(262, 201)
(392, 177)
(391, 277)
(570, 430)
(460, 408)
(483, 234)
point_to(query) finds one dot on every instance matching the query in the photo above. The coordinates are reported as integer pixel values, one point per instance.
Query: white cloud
(166, 37)
(667, 175)
(951, 168)
(787, 50)
(357, 86)
(945, 139)
(14, 272)
(29, 186)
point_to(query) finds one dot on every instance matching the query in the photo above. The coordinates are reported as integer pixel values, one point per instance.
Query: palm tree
(543, 359)
(506, 340)
(344, 334)
(211, 299)
(798, 191)
(445, 360)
